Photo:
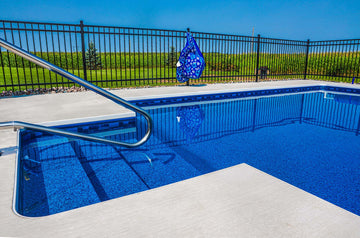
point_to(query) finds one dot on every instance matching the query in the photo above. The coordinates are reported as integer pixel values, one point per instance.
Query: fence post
(307, 57)
(188, 82)
(83, 48)
(257, 58)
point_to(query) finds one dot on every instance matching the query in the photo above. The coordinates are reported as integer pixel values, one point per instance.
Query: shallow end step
(239, 201)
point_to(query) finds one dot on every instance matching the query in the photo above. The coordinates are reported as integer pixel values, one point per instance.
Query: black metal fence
(335, 60)
(124, 57)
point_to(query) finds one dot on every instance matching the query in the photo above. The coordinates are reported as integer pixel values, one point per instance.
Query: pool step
(120, 129)
(109, 174)
(60, 177)
(159, 167)
(74, 174)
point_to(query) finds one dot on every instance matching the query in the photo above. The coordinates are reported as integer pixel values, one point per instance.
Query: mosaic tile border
(243, 94)
(221, 96)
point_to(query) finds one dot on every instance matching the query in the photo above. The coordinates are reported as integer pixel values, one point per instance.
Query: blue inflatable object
(191, 62)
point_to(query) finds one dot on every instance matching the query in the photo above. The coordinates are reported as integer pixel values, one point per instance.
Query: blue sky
(298, 20)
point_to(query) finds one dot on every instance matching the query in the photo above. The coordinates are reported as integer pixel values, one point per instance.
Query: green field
(150, 69)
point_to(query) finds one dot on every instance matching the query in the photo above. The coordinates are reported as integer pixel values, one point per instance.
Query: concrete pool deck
(239, 201)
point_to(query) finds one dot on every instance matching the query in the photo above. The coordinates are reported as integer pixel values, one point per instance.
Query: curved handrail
(53, 68)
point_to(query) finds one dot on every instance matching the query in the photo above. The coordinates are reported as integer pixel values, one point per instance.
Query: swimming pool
(306, 136)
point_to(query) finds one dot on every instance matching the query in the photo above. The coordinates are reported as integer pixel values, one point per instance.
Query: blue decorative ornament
(191, 62)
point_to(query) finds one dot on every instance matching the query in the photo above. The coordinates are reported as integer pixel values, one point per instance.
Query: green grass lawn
(116, 78)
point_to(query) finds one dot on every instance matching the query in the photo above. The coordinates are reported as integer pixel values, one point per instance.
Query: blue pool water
(309, 139)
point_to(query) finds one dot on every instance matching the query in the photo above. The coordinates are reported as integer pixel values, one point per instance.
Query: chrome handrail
(53, 68)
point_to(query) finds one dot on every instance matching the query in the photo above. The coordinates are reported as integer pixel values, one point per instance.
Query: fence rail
(123, 57)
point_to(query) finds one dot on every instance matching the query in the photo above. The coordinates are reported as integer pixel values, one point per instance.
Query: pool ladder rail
(53, 68)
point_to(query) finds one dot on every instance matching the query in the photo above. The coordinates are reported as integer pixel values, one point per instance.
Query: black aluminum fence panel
(337, 60)
(113, 57)
(132, 56)
(227, 57)
(56, 43)
(281, 59)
